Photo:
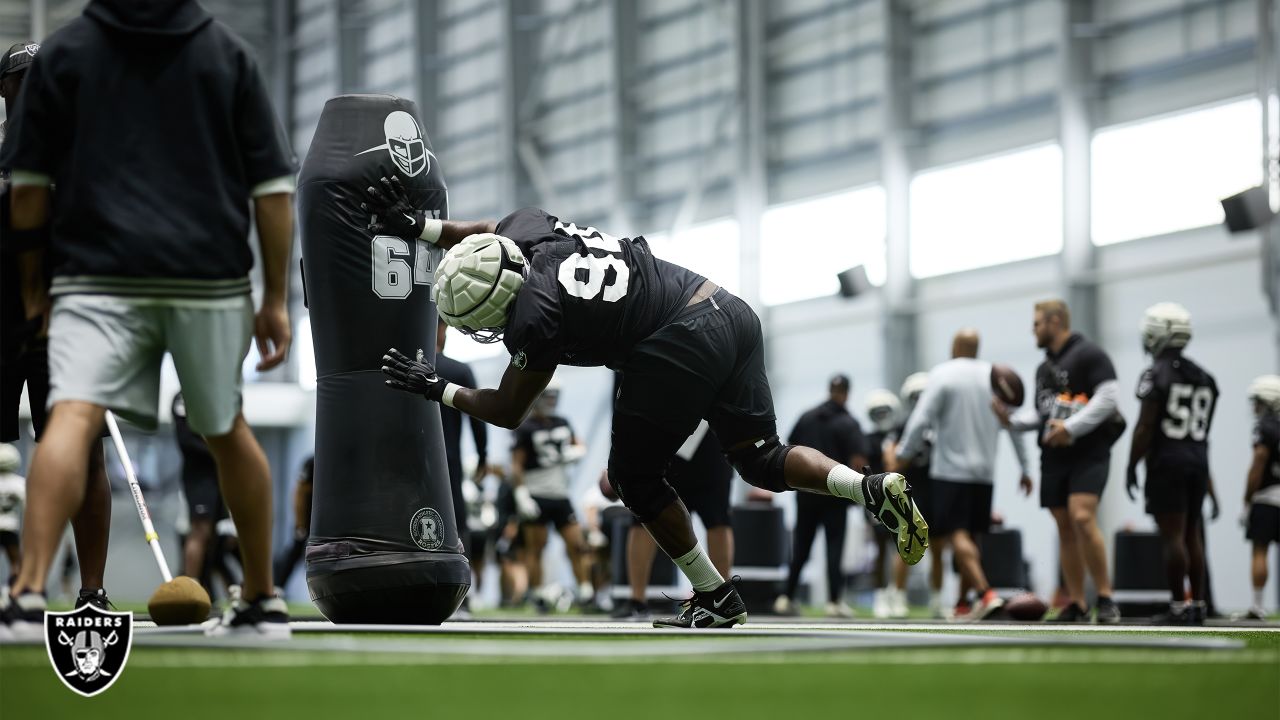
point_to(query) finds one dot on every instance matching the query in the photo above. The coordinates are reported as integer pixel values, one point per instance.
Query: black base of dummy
(390, 588)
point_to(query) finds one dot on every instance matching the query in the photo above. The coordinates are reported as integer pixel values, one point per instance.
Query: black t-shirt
(919, 464)
(543, 440)
(831, 430)
(1187, 397)
(459, 373)
(1267, 434)
(155, 125)
(875, 451)
(589, 297)
(1078, 369)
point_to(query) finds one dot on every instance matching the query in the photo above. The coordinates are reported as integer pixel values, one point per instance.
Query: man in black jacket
(150, 254)
(830, 429)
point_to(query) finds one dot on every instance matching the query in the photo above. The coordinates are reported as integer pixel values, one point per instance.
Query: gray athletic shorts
(107, 350)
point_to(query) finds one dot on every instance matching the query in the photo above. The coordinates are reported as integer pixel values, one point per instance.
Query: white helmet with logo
(1265, 390)
(882, 409)
(10, 459)
(475, 284)
(1165, 325)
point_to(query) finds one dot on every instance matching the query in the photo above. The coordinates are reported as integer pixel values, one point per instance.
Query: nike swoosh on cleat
(722, 601)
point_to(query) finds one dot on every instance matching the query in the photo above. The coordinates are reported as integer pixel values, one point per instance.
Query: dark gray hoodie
(151, 119)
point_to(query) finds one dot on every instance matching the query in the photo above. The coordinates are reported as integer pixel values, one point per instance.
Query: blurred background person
(13, 491)
(1171, 436)
(832, 431)
(920, 476)
(302, 494)
(1262, 487)
(884, 412)
(24, 355)
(957, 405)
(204, 500)
(544, 447)
(1076, 421)
(460, 374)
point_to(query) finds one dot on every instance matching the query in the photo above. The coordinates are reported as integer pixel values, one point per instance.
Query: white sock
(1257, 597)
(845, 482)
(698, 568)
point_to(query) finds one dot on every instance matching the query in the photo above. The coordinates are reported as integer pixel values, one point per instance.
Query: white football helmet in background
(912, 388)
(10, 458)
(1165, 325)
(475, 284)
(1265, 390)
(882, 409)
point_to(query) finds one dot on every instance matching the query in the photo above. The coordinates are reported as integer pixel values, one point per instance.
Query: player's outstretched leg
(767, 463)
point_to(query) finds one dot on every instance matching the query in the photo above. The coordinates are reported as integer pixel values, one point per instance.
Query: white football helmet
(913, 387)
(475, 284)
(882, 409)
(10, 459)
(1165, 325)
(1265, 390)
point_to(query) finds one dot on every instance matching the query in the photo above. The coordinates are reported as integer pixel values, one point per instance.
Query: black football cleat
(96, 597)
(1181, 615)
(722, 607)
(1072, 613)
(887, 496)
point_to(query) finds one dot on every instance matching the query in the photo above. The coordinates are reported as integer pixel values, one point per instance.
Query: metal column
(1076, 95)
(750, 188)
(622, 57)
(901, 346)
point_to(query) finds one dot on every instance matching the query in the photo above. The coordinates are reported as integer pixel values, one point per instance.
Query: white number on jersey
(549, 445)
(1188, 412)
(583, 276)
(393, 279)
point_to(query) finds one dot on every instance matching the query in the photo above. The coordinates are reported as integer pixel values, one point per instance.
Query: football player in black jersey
(544, 446)
(556, 293)
(1172, 437)
(1262, 491)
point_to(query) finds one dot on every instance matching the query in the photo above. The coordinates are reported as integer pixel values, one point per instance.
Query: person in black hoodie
(830, 429)
(153, 122)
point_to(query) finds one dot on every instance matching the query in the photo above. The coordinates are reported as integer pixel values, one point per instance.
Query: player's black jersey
(589, 297)
(1077, 369)
(544, 441)
(1267, 434)
(875, 451)
(919, 463)
(1187, 397)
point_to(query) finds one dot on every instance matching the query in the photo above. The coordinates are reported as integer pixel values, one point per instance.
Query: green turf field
(987, 682)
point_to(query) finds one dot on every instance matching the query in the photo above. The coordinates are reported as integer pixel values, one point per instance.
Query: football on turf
(1007, 386)
(1025, 607)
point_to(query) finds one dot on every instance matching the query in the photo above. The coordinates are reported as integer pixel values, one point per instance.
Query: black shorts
(1059, 480)
(9, 538)
(200, 486)
(1176, 489)
(960, 506)
(1264, 524)
(18, 368)
(706, 363)
(557, 511)
(703, 483)
(478, 542)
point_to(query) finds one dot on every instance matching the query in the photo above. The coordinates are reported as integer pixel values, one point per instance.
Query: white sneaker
(880, 604)
(783, 606)
(984, 608)
(936, 611)
(898, 604)
(839, 610)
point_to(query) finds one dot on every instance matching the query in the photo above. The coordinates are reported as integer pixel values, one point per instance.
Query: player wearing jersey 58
(1171, 437)
(556, 293)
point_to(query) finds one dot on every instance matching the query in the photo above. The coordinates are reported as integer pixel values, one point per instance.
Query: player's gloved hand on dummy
(391, 212)
(412, 376)
(1131, 483)
(526, 507)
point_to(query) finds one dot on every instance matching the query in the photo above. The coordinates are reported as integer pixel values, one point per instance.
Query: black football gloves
(391, 212)
(412, 376)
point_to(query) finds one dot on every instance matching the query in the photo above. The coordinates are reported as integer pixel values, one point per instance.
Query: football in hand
(1006, 385)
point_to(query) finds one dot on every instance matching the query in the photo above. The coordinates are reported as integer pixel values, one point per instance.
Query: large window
(1165, 175)
(804, 244)
(991, 211)
(709, 249)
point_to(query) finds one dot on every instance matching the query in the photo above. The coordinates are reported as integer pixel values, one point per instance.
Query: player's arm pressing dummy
(392, 213)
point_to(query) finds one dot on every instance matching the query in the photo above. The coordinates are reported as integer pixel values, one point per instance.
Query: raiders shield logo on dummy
(88, 647)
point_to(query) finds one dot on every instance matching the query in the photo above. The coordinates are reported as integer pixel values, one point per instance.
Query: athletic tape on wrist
(449, 391)
(431, 229)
